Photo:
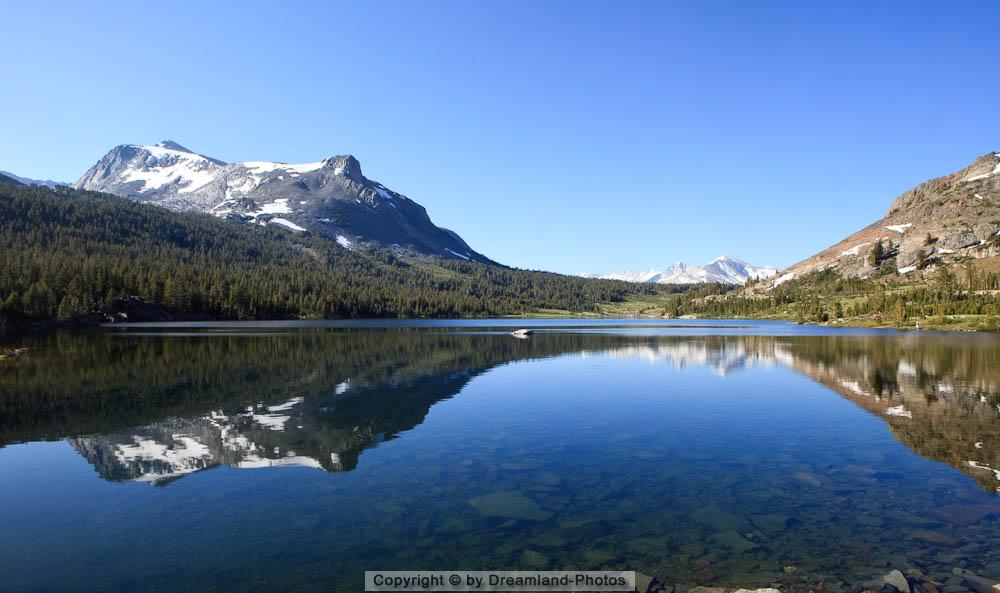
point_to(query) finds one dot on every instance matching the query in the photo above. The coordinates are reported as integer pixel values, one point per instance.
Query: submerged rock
(509, 504)
(715, 517)
(649, 546)
(548, 479)
(731, 590)
(965, 514)
(980, 584)
(595, 557)
(647, 584)
(534, 559)
(806, 478)
(451, 526)
(897, 580)
(735, 542)
(547, 540)
(934, 537)
(771, 522)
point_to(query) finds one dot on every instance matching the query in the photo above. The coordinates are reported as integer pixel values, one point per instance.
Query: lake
(294, 456)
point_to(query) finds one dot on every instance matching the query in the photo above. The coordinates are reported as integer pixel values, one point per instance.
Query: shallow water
(260, 457)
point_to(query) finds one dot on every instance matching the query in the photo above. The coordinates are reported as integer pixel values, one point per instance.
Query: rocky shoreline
(960, 580)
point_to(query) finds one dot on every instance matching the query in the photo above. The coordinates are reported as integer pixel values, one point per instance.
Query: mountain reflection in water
(157, 408)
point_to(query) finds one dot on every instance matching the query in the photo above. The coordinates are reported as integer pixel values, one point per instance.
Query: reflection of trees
(253, 399)
(164, 407)
(86, 383)
(940, 395)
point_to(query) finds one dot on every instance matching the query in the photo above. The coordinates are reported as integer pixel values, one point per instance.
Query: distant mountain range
(941, 221)
(724, 270)
(946, 220)
(27, 181)
(330, 197)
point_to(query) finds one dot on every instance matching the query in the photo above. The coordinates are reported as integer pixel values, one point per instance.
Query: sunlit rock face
(943, 221)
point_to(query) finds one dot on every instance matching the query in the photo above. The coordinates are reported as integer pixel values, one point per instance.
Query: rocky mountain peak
(345, 165)
(981, 168)
(331, 197)
(172, 146)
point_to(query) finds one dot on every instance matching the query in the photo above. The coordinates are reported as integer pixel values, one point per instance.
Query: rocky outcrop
(940, 222)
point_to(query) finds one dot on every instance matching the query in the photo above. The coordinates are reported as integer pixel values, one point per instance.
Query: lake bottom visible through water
(760, 455)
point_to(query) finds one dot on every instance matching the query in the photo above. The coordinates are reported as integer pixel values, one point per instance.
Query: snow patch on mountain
(261, 167)
(279, 206)
(287, 224)
(723, 270)
(853, 250)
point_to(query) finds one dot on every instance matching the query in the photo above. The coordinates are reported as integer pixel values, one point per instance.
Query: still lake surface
(294, 456)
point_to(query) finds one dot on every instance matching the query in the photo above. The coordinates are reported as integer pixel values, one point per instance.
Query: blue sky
(551, 135)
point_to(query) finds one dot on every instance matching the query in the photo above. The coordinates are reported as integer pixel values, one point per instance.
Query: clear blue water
(263, 457)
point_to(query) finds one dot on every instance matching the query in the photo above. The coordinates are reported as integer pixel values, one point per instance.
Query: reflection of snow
(271, 421)
(182, 455)
(907, 369)
(182, 449)
(288, 405)
(899, 411)
(722, 359)
(983, 466)
(209, 441)
(255, 461)
(853, 386)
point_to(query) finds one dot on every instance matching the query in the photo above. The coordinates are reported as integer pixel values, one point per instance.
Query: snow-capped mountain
(724, 270)
(330, 197)
(27, 181)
